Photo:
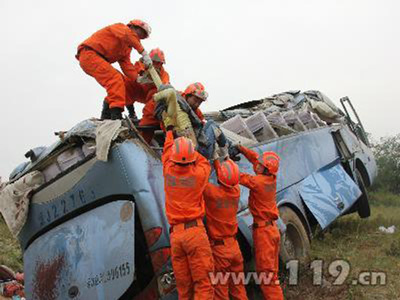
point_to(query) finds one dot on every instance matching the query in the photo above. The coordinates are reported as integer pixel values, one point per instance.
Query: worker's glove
(161, 107)
(215, 154)
(116, 113)
(146, 59)
(234, 151)
(219, 136)
(164, 87)
(105, 112)
(132, 114)
(223, 152)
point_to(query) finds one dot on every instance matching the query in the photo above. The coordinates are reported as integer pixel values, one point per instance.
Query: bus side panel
(88, 257)
(328, 193)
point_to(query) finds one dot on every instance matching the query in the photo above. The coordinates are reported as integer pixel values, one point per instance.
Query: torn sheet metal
(88, 257)
(328, 193)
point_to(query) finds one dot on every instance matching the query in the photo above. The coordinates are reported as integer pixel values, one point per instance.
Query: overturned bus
(96, 225)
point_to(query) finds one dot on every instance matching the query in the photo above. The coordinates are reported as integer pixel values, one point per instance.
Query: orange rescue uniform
(143, 93)
(221, 209)
(184, 204)
(266, 236)
(111, 44)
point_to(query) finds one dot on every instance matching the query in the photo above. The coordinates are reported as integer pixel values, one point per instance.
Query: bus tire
(363, 208)
(295, 242)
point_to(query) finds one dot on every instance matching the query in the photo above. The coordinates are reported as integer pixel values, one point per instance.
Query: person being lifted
(112, 44)
(195, 94)
(186, 174)
(262, 205)
(222, 202)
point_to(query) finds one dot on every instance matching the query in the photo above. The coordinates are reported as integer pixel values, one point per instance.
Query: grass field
(364, 247)
(10, 252)
(357, 241)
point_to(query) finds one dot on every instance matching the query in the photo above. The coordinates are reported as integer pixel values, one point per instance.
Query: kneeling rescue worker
(186, 174)
(221, 209)
(262, 205)
(112, 44)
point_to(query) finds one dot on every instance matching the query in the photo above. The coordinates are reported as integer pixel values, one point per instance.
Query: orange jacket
(200, 115)
(184, 186)
(221, 209)
(115, 43)
(262, 198)
(143, 93)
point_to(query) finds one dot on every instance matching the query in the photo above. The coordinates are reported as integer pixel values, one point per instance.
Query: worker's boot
(105, 112)
(116, 113)
(132, 114)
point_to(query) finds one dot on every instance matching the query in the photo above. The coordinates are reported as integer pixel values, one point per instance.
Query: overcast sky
(240, 50)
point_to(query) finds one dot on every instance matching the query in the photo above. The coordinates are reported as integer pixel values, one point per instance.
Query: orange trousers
(148, 119)
(228, 258)
(106, 75)
(192, 263)
(266, 247)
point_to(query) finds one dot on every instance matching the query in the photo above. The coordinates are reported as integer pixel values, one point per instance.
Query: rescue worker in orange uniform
(221, 208)
(143, 89)
(112, 44)
(186, 175)
(262, 205)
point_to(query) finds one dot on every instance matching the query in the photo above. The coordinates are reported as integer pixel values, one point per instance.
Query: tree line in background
(387, 155)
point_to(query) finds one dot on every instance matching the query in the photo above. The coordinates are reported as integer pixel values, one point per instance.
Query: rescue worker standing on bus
(222, 202)
(112, 44)
(186, 175)
(262, 205)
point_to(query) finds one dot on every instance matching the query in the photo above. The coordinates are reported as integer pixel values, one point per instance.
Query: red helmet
(228, 173)
(270, 160)
(139, 23)
(183, 151)
(157, 55)
(196, 89)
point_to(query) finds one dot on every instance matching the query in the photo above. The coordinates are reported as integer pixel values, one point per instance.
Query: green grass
(364, 247)
(10, 252)
(383, 198)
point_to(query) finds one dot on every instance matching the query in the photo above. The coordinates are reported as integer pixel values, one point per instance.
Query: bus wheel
(295, 243)
(363, 208)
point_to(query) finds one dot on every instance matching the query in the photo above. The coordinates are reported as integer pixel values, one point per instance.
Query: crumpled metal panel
(301, 155)
(88, 257)
(328, 193)
(86, 128)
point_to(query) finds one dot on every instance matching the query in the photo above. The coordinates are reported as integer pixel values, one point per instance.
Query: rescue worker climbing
(262, 205)
(221, 208)
(186, 174)
(112, 44)
(142, 90)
